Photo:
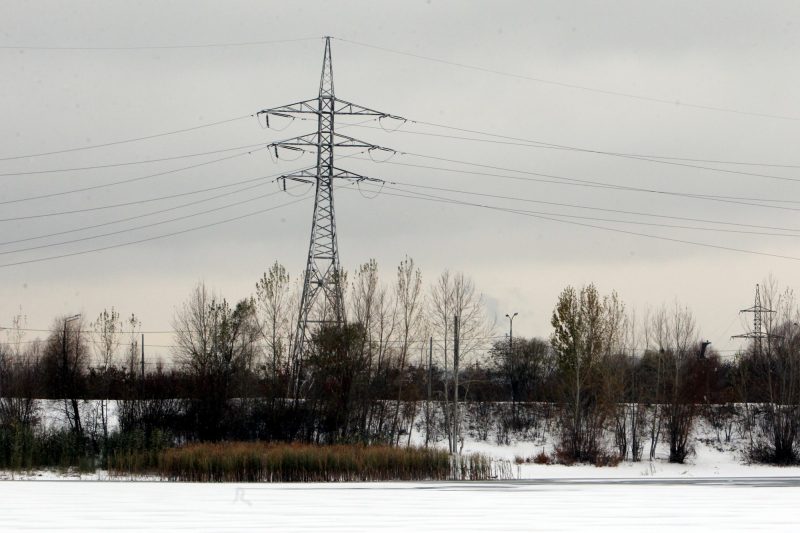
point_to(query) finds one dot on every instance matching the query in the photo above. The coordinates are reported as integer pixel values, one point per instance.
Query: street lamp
(703, 346)
(511, 331)
(511, 364)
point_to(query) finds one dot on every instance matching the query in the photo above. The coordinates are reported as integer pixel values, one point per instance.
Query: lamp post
(511, 364)
(511, 331)
(67, 377)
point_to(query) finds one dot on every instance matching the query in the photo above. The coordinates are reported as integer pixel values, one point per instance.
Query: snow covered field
(652, 505)
(715, 490)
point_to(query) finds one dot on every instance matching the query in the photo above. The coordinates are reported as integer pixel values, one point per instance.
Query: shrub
(564, 457)
(607, 459)
(542, 458)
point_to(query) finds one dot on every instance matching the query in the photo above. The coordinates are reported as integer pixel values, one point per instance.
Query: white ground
(712, 457)
(99, 506)
(707, 462)
(715, 490)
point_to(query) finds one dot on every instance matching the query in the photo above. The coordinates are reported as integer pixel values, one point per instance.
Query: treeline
(617, 381)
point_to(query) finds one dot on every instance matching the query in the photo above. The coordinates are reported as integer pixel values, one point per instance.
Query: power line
(440, 199)
(123, 344)
(564, 180)
(529, 143)
(620, 211)
(651, 159)
(124, 141)
(139, 178)
(144, 215)
(153, 224)
(634, 222)
(675, 103)
(129, 163)
(545, 144)
(125, 181)
(172, 332)
(157, 47)
(156, 237)
(148, 214)
(135, 202)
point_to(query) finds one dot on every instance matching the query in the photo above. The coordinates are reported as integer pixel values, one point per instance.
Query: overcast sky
(733, 55)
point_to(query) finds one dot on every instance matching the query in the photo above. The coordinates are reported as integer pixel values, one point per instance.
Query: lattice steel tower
(757, 334)
(322, 301)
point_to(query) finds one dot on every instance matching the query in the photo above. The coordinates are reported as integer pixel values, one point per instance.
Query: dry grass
(542, 458)
(607, 459)
(278, 462)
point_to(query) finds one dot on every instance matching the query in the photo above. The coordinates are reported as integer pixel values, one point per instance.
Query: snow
(715, 490)
(707, 462)
(712, 457)
(507, 506)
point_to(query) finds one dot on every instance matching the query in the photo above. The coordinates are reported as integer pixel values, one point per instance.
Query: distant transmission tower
(322, 302)
(757, 334)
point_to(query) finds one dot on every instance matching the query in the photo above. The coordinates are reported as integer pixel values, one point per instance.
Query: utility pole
(455, 384)
(511, 331)
(322, 302)
(511, 363)
(430, 392)
(68, 379)
(141, 382)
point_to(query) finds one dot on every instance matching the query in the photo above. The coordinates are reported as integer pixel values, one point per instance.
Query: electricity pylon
(757, 334)
(322, 301)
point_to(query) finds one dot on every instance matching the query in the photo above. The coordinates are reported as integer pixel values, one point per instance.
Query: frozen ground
(712, 455)
(715, 490)
(651, 505)
(707, 461)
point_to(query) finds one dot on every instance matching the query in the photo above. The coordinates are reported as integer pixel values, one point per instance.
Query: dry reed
(280, 462)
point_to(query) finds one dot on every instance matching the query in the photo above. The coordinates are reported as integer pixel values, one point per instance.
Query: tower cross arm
(748, 336)
(309, 139)
(339, 141)
(352, 176)
(306, 106)
(307, 175)
(757, 309)
(343, 107)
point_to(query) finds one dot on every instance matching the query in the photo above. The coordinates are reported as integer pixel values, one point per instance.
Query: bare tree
(216, 344)
(18, 376)
(450, 296)
(132, 360)
(273, 295)
(374, 307)
(656, 339)
(522, 366)
(674, 334)
(408, 297)
(637, 411)
(107, 332)
(66, 357)
(440, 316)
(373, 310)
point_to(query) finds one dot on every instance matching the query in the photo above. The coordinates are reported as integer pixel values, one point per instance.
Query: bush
(137, 449)
(607, 459)
(23, 448)
(564, 457)
(542, 458)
